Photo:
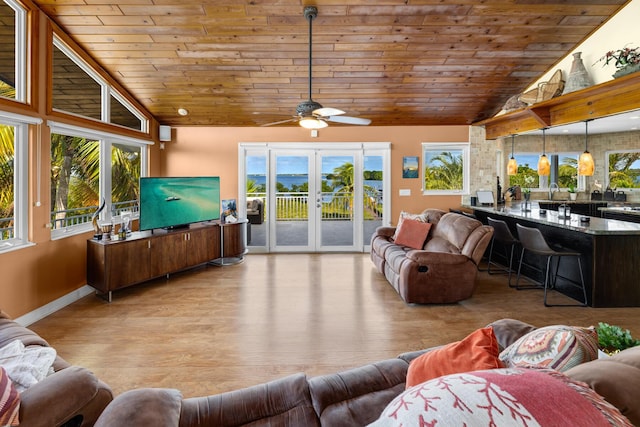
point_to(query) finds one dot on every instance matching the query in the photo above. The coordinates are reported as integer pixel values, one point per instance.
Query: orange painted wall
(214, 151)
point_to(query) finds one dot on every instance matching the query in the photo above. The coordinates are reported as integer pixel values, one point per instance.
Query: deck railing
(335, 206)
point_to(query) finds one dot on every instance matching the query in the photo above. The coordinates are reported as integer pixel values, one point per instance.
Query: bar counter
(609, 249)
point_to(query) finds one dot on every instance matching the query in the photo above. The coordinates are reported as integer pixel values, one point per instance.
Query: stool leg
(490, 256)
(546, 279)
(511, 265)
(519, 268)
(584, 289)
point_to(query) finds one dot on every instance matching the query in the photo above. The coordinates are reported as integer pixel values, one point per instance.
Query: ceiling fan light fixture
(312, 123)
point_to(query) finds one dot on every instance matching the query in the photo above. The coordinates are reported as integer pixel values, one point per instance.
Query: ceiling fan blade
(349, 120)
(294, 119)
(327, 111)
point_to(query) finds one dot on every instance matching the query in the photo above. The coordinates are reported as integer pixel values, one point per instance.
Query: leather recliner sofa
(71, 396)
(355, 397)
(445, 269)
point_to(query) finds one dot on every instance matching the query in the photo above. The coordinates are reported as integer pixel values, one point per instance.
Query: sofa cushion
(9, 401)
(357, 397)
(412, 233)
(282, 402)
(508, 331)
(479, 350)
(455, 228)
(501, 397)
(616, 378)
(557, 347)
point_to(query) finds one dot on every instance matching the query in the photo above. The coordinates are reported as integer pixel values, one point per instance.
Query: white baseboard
(53, 306)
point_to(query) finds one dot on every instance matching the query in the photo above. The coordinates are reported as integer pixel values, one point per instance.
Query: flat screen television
(173, 202)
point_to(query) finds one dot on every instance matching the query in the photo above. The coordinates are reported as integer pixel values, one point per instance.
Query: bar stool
(502, 234)
(532, 240)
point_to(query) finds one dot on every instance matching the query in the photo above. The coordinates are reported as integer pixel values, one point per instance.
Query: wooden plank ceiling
(396, 62)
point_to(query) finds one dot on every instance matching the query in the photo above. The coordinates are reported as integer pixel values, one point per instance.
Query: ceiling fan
(311, 114)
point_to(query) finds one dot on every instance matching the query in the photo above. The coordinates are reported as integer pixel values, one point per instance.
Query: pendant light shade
(512, 166)
(586, 166)
(544, 166)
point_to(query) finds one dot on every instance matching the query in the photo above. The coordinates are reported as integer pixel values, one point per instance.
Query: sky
(257, 165)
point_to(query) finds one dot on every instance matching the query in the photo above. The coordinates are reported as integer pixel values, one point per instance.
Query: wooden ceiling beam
(612, 97)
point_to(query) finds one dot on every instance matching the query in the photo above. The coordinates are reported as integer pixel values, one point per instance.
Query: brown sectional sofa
(445, 270)
(354, 397)
(72, 396)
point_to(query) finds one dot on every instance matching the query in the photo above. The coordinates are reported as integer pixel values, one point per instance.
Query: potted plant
(612, 339)
(626, 60)
(572, 192)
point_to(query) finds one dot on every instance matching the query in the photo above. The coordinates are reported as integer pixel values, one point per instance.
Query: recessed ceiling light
(183, 111)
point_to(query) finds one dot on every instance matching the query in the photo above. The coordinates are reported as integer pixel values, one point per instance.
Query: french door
(324, 199)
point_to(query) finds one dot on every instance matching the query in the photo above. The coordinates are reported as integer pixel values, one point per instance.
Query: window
(624, 169)
(13, 51)
(75, 180)
(446, 168)
(527, 176)
(88, 167)
(79, 90)
(564, 171)
(13, 180)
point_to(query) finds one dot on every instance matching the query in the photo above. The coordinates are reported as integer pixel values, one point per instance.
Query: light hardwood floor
(215, 329)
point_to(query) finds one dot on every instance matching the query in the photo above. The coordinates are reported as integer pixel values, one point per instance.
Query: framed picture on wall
(410, 167)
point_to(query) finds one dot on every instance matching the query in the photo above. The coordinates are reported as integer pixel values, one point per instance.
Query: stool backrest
(501, 231)
(532, 239)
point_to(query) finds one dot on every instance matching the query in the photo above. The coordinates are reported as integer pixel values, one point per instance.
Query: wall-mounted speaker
(165, 133)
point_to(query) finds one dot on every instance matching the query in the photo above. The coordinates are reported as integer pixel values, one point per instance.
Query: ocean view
(288, 180)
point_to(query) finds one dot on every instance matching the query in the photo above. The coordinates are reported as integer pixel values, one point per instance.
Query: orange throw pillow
(478, 351)
(413, 233)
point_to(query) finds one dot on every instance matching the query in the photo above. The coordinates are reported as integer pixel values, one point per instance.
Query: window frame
(106, 91)
(106, 141)
(21, 68)
(465, 147)
(608, 166)
(20, 181)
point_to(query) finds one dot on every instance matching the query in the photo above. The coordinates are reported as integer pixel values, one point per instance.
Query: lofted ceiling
(396, 62)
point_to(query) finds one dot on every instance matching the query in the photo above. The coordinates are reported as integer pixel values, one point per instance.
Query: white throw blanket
(26, 365)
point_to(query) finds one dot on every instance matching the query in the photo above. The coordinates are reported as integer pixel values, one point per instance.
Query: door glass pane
(256, 196)
(291, 198)
(336, 201)
(373, 207)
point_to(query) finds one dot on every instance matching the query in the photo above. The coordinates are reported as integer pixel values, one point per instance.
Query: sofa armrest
(428, 257)
(64, 395)
(144, 407)
(385, 231)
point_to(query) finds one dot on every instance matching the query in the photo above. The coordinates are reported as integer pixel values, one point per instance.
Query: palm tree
(444, 172)
(621, 173)
(6, 175)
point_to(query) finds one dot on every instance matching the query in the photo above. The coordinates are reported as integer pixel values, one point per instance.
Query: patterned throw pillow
(403, 215)
(557, 347)
(9, 401)
(501, 397)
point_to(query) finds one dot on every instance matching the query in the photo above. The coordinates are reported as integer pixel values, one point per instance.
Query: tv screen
(172, 202)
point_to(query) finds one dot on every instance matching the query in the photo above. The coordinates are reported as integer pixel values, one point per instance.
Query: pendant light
(544, 167)
(586, 165)
(512, 166)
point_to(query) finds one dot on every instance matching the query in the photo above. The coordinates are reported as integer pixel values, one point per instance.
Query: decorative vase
(579, 77)
(526, 206)
(626, 70)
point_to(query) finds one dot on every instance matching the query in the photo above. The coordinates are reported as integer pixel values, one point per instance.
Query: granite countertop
(551, 218)
(628, 210)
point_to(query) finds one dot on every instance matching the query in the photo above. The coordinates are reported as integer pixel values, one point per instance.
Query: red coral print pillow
(501, 397)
